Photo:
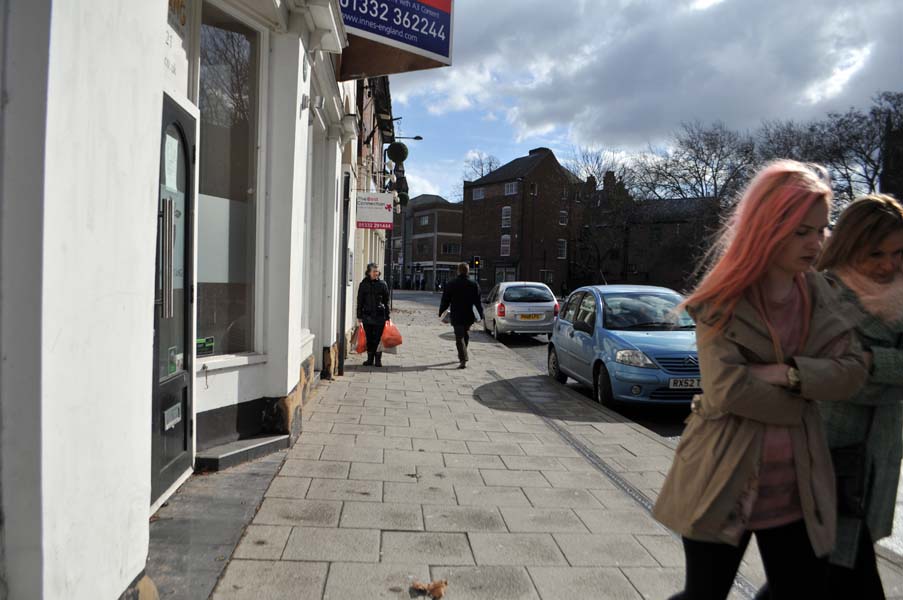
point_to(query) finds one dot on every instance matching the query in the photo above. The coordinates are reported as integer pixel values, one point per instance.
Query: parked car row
(628, 342)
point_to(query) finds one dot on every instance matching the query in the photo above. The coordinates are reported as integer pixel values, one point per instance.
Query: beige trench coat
(721, 447)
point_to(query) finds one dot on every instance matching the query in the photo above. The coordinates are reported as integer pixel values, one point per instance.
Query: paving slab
(485, 583)
(473, 461)
(490, 496)
(515, 549)
(329, 544)
(633, 520)
(263, 542)
(603, 550)
(315, 468)
(567, 583)
(288, 487)
(271, 580)
(463, 519)
(282, 511)
(386, 515)
(655, 583)
(545, 520)
(432, 547)
(345, 489)
(421, 493)
(561, 497)
(383, 472)
(352, 454)
(374, 582)
(427, 474)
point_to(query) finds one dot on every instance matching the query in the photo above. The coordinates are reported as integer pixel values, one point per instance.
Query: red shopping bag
(391, 335)
(359, 340)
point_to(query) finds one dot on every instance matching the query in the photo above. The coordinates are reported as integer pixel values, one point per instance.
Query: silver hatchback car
(524, 307)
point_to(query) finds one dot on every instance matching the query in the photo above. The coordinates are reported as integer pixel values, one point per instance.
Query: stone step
(228, 455)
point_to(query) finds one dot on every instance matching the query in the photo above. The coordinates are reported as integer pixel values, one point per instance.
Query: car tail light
(557, 308)
(501, 310)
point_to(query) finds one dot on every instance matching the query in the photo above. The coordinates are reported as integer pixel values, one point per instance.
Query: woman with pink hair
(753, 458)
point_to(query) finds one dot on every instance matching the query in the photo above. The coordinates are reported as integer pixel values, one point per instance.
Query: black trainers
(462, 365)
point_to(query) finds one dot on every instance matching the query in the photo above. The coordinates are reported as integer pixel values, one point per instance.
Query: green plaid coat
(876, 411)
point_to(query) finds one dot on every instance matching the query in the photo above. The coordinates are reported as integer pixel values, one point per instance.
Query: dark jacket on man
(373, 302)
(463, 295)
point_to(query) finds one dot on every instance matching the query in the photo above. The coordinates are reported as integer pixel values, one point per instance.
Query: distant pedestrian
(462, 296)
(373, 312)
(772, 340)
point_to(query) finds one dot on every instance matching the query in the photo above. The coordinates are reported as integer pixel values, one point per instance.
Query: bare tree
(479, 164)
(586, 162)
(700, 162)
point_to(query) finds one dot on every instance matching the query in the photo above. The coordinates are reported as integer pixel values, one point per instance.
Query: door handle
(167, 257)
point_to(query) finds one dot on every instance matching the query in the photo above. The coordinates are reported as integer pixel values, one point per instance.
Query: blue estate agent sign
(422, 27)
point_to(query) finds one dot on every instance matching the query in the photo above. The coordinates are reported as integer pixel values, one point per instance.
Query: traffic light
(476, 262)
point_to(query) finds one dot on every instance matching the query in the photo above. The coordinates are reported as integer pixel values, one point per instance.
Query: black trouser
(792, 568)
(374, 333)
(862, 581)
(462, 339)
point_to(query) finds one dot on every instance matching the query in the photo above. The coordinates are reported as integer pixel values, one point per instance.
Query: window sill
(228, 361)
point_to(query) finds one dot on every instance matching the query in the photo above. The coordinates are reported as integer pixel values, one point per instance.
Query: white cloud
(420, 185)
(625, 73)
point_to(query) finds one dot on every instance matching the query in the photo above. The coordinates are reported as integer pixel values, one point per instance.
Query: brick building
(656, 242)
(522, 220)
(426, 242)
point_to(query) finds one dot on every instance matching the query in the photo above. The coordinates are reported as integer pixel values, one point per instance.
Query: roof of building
(431, 201)
(519, 167)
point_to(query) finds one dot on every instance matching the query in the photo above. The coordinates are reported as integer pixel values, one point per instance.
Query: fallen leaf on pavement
(435, 589)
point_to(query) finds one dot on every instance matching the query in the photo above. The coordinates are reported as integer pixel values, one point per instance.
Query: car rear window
(527, 293)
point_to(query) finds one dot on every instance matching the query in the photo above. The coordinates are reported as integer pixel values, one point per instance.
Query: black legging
(862, 582)
(792, 568)
(374, 333)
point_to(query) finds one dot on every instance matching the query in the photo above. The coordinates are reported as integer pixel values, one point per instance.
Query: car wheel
(602, 390)
(554, 369)
(496, 333)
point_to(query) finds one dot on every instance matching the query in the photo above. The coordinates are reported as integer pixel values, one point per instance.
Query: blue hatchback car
(627, 343)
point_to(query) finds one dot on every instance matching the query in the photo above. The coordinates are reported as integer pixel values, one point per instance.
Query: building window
(506, 217)
(547, 277)
(479, 193)
(503, 274)
(563, 217)
(424, 248)
(425, 220)
(451, 248)
(564, 193)
(228, 97)
(506, 245)
(562, 249)
(511, 188)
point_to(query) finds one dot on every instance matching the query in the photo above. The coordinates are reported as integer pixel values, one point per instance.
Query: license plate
(683, 384)
(530, 317)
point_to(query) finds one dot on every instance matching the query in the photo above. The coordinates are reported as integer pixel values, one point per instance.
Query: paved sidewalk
(495, 477)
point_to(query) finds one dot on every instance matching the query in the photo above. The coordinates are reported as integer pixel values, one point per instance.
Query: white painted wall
(285, 208)
(77, 281)
(22, 128)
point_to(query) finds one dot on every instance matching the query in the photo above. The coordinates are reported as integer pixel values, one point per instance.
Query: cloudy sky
(625, 73)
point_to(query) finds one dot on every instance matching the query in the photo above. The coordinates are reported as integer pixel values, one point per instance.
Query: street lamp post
(392, 231)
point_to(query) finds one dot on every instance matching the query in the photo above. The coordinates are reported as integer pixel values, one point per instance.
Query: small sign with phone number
(423, 27)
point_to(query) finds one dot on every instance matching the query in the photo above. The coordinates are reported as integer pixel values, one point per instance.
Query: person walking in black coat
(373, 312)
(463, 297)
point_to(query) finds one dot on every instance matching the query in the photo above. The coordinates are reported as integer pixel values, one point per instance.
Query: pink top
(778, 500)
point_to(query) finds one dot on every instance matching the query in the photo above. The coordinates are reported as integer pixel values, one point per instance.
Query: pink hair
(772, 207)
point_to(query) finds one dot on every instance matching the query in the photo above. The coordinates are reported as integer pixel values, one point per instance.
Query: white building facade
(177, 251)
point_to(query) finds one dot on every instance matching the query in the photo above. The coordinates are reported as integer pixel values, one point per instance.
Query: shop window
(506, 217)
(229, 100)
(562, 249)
(479, 193)
(506, 245)
(511, 188)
